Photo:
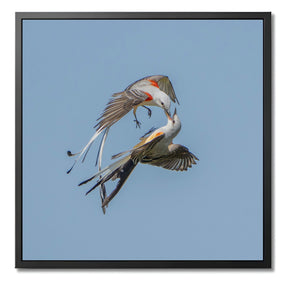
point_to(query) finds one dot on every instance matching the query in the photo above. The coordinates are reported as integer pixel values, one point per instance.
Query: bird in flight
(155, 90)
(155, 149)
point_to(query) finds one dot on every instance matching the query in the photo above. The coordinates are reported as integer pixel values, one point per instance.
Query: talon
(149, 113)
(138, 124)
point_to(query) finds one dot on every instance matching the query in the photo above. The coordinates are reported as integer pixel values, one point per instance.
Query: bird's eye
(173, 121)
(162, 103)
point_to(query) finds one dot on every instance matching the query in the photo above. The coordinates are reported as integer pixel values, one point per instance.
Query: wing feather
(165, 85)
(163, 82)
(119, 106)
(179, 158)
(142, 147)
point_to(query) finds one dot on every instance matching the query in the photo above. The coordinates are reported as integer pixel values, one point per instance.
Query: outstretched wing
(143, 146)
(161, 81)
(179, 158)
(166, 86)
(119, 106)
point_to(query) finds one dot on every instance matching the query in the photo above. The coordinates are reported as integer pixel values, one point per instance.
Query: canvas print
(155, 148)
(142, 139)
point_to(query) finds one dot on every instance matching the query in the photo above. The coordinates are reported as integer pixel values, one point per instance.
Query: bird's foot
(138, 124)
(149, 112)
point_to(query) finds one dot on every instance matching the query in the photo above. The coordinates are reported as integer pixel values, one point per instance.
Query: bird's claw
(138, 124)
(149, 113)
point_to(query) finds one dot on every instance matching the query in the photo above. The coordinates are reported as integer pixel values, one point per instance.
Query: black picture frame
(266, 262)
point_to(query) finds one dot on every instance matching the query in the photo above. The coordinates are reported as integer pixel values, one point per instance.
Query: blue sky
(211, 212)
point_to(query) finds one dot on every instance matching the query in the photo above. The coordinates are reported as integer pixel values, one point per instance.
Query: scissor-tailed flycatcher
(155, 149)
(154, 90)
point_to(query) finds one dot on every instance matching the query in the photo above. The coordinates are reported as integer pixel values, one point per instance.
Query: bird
(155, 149)
(155, 90)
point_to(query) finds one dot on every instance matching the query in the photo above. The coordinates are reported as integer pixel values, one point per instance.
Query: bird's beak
(167, 114)
(175, 112)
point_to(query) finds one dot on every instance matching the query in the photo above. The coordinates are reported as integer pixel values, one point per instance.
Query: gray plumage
(119, 106)
(163, 82)
(179, 158)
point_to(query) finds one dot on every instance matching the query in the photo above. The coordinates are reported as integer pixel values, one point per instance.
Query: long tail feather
(100, 152)
(86, 152)
(107, 170)
(121, 154)
(103, 196)
(93, 138)
(70, 154)
(123, 175)
(105, 178)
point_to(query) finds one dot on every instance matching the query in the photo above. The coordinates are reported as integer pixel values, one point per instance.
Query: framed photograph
(143, 140)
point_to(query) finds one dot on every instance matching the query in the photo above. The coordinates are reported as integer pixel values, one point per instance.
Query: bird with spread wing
(154, 90)
(155, 149)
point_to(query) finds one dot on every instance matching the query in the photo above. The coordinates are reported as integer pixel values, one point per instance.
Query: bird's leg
(149, 111)
(136, 120)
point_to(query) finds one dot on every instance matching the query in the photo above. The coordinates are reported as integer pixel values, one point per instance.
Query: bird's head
(173, 121)
(164, 102)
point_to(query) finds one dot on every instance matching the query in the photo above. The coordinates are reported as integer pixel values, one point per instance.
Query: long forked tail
(123, 175)
(85, 149)
(120, 169)
(99, 157)
(107, 170)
